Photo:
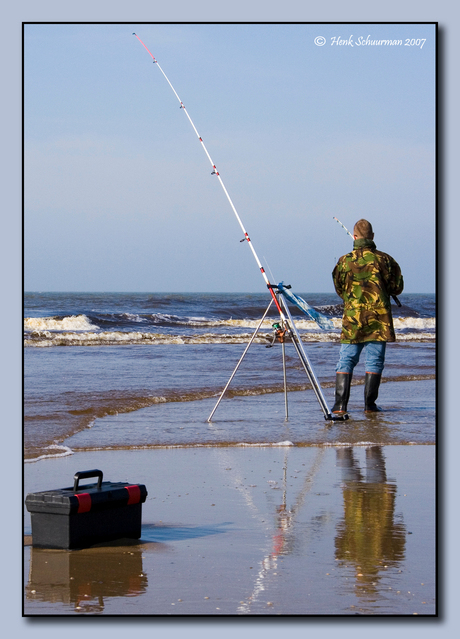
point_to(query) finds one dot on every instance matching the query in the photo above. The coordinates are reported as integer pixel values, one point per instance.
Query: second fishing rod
(286, 318)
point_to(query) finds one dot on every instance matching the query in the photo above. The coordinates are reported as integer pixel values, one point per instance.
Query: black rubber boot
(371, 391)
(342, 392)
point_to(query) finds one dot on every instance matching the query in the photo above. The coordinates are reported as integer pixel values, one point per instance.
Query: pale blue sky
(118, 191)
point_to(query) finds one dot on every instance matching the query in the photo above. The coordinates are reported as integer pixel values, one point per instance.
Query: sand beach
(250, 531)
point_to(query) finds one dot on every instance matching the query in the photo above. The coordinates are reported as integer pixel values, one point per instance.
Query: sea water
(136, 370)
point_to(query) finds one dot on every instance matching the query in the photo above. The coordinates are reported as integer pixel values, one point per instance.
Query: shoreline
(69, 452)
(409, 417)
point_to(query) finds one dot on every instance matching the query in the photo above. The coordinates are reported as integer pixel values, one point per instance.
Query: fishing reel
(279, 334)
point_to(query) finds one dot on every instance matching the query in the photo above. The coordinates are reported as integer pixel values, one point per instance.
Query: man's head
(363, 230)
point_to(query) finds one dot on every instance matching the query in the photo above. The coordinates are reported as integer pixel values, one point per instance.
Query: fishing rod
(216, 172)
(352, 237)
(273, 288)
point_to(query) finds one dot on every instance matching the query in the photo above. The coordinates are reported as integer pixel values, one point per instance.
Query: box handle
(85, 474)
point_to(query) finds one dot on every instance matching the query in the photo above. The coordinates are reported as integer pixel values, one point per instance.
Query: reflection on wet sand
(83, 579)
(284, 537)
(315, 531)
(369, 537)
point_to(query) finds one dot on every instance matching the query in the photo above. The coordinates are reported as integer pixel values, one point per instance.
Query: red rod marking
(153, 57)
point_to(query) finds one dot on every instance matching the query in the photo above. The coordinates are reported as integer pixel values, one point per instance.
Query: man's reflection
(369, 537)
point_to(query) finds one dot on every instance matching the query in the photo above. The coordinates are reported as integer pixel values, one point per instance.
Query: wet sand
(319, 530)
(409, 417)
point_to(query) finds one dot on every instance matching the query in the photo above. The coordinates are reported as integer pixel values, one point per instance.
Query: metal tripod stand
(289, 327)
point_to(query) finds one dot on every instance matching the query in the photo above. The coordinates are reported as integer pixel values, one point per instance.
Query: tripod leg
(306, 364)
(285, 384)
(241, 359)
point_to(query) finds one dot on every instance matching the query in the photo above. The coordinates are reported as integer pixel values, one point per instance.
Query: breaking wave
(81, 330)
(72, 323)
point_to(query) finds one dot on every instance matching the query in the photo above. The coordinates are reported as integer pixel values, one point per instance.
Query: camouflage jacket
(365, 279)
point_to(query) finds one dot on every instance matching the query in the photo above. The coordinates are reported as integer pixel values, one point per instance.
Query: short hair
(363, 228)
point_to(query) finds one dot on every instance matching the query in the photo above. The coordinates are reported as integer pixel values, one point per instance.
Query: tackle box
(79, 517)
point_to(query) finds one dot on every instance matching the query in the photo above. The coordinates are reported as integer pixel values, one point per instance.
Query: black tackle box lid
(90, 497)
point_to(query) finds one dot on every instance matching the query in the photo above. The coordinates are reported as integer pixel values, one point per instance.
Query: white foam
(71, 323)
(47, 338)
(415, 337)
(263, 444)
(65, 452)
(402, 323)
(133, 317)
(301, 325)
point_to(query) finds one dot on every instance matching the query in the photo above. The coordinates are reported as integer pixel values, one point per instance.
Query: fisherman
(365, 279)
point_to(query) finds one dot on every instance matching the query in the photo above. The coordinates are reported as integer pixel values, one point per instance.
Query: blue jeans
(350, 353)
